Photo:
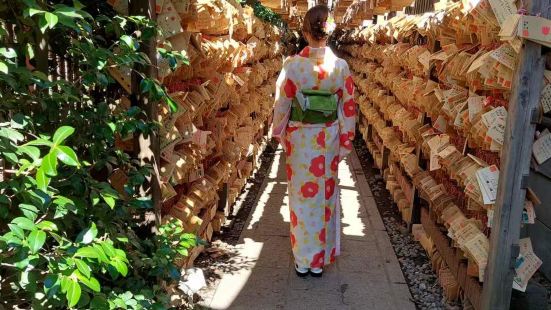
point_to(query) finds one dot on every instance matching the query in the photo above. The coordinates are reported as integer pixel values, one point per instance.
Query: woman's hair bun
(315, 22)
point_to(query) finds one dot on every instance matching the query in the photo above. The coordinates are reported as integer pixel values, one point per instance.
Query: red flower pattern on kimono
(335, 163)
(309, 189)
(289, 171)
(319, 260)
(288, 147)
(345, 142)
(290, 129)
(332, 256)
(321, 139)
(349, 108)
(329, 188)
(294, 219)
(317, 166)
(293, 240)
(322, 74)
(290, 89)
(305, 52)
(349, 85)
(322, 235)
(327, 214)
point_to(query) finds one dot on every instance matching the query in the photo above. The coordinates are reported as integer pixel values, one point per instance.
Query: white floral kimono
(313, 153)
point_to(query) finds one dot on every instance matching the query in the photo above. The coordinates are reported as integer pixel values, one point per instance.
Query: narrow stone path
(367, 275)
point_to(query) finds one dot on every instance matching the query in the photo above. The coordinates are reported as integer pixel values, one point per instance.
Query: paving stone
(366, 276)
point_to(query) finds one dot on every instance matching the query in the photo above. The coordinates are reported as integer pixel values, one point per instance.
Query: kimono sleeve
(347, 114)
(285, 92)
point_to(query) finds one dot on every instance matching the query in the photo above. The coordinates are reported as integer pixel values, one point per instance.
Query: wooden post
(515, 167)
(147, 146)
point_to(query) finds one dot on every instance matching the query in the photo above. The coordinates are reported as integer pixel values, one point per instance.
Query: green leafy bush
(67, 237)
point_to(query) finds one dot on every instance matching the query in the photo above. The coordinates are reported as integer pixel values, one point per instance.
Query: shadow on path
(257, 273)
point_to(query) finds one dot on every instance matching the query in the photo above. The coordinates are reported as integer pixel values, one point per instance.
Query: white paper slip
(506, 55)
(528, 214)
(497, 132)
(503, 9)
(475, 105)
(487, 180)
(490, 215)
(489, 118)
(525, 245)
(545, 98)
(542, 149)
(509, 26)
(526, 265)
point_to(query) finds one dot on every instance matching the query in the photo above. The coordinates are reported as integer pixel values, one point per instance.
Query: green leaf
(31, 151)
(67, 156)
(129, 41)
(33, 12)
(88, 252)
(62, 133)
(91, 282)
(68, 11)
(94, 197)
(108, 249)
(41, 76)
(171, 104)
(99, 303)
(183, 252)
(112, 126)
(29, 51)
(120, 266)
(49, 163)
(51, 281)
(63, 204)
(47, 226)
(3, 67)
(101, 254)
(24, 223)
(36, 240)
(146, 85)
(83, 268)
(30, 211)
(51, 19)
(18, 231)
(78, 5)
(8, 52)
(25, 165)
(39, 142)
(43, 24)
(88, 235)
(13, 135)
(42, 180)
(63, 201)
(73, 292)
(11, 239)
(123, 239)
(109, 200)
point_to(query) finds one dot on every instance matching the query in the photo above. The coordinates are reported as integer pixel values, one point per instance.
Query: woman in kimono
(314, 120)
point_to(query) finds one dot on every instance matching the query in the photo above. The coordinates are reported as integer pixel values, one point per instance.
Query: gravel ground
(416, 265)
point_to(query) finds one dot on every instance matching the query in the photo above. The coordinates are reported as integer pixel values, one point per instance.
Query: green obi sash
(322, 107)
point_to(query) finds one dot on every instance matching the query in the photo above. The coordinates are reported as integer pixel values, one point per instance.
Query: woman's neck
(318, 44)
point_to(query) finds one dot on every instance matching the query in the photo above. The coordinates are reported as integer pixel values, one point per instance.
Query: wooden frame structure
(515, 168)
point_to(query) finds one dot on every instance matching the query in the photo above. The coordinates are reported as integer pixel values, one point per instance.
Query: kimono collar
(312, 52)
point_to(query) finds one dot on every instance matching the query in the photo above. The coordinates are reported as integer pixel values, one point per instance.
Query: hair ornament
(329, 26)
